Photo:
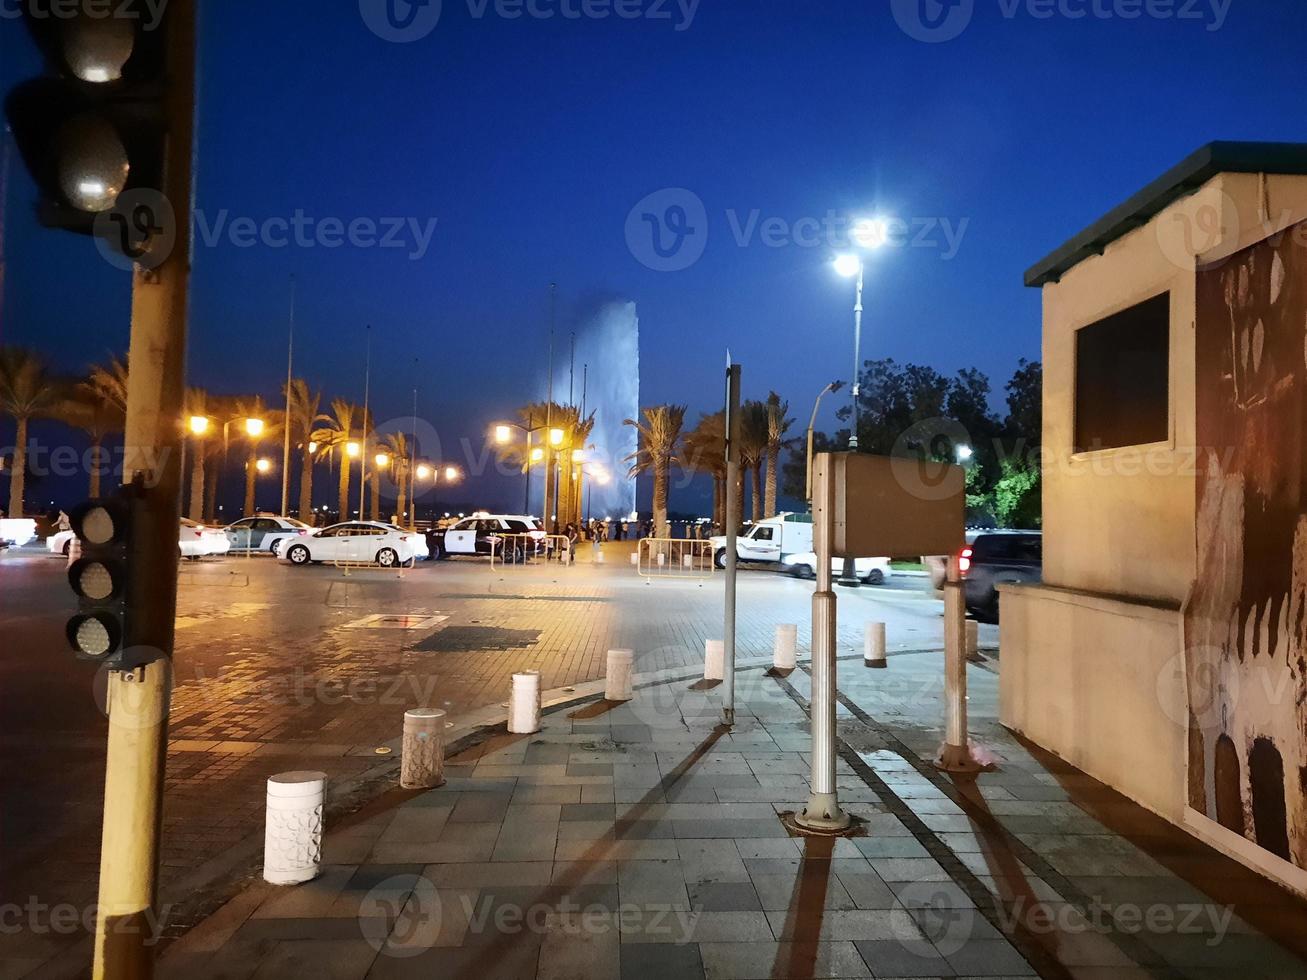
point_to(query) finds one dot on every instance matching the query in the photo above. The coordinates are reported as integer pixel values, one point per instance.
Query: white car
(873, 571)
(16, 531)
(481, 534)
(263, 531)
(194, 540)
(199, 540)
(360, 542)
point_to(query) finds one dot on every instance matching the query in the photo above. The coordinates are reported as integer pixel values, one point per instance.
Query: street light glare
(848, 265)
(965, 453)
(254, 427)
(382, 460)
(537, 455)
(451, 473)
(424, 472)
(871, 232)
(503, 434)
(352, 448)
(263, 465)
(199, 425)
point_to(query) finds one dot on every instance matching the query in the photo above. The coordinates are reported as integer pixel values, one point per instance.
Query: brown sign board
(889, 505)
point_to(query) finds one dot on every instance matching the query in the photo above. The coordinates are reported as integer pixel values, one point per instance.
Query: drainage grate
(468, 639)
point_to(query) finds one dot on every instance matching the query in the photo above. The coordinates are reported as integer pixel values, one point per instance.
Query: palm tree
(26, 393)
(196, 405)
(98, 411)
(396, 447)
(754, 430)
(343, 423)
(777, 426)
(254, 408)
(304, 405)
(659, 434)
(703, 450)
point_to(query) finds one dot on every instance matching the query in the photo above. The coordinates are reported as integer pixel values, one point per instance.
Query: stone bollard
(714, 660)
(785, 649)
(422, 763)
(292, 835)
(621, 665)
(524, 703)
(973, 639)
(873, 653)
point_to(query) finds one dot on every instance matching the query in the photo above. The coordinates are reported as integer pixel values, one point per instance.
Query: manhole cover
(382, 621)
(466, 639)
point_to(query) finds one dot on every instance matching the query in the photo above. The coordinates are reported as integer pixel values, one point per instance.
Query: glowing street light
(424, 472)
(199, 425)
(254, 427)
(263, 465)
(871, 232)
(313, 448)
(503, 434)
(964, 453)
(352, 449)
(848, 265)
(382, 460)
(537, 455)
(451, 474)
(556, 437)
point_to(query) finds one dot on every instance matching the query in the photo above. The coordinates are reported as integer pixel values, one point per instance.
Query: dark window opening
(1122, 378)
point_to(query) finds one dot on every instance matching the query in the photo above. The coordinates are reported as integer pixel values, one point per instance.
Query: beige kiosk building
(1164, 652)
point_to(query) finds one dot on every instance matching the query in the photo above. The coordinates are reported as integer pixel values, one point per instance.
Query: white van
(771, 540)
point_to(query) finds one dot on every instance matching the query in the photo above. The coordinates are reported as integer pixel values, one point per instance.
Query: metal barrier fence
(675, 558)
(528, 549)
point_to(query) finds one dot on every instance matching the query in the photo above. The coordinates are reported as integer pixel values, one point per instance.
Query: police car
(482, 534)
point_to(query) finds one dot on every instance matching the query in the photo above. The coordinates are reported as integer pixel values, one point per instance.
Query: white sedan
(873, 571)
(16, 531)
(356, 542)
(193, 541)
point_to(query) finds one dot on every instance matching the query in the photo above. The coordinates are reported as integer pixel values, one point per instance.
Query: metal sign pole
(955, 755)
(732, 522)
(823, 811)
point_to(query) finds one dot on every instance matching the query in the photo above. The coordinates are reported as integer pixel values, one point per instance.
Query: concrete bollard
(292, 835)
(973, 638)
(524, 703)
(422, 763)
(714, 660)
(635, 556)
(662, 559)
(621, 665)
(873, 653)
(785, 649)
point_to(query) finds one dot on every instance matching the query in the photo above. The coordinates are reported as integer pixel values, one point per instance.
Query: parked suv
(480, 533)
(999, 558)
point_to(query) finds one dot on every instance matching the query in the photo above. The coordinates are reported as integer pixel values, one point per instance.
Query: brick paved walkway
(269, 678)
(641, 840)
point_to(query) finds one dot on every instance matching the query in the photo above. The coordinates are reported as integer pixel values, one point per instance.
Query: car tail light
(964, 560)
(199, 534)
(301, 532)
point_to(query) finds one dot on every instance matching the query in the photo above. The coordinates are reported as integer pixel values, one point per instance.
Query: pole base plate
(875, 664)
(957, 758)
(823, 815)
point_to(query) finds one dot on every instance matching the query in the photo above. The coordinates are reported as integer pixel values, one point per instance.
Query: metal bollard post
(873, 653)
(955, 754)
(422, 761)
(292, 835)
(524, 703)
(621, 665)
(785, 648)
(714, 660)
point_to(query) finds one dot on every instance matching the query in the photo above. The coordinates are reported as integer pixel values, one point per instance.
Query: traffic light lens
(93, 164)
(95, 582)
(93, 638)
(96, 49)
(97, 526)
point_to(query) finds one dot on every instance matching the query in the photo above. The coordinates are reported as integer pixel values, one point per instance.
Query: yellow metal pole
(138, 700)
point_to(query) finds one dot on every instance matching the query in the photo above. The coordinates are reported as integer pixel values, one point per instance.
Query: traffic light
(93, 131)
(106, 531)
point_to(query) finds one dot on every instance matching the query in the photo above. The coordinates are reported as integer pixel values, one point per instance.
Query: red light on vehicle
(964, 561)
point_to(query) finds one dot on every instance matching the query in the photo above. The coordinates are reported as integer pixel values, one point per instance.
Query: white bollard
(524, 703)
(422, 761)
(873, 653)
(973, 638)
(687, 561)
(635, 557)
(621, 665)
(292, 835)
(662, 559)
(785, 649)
(714, 660)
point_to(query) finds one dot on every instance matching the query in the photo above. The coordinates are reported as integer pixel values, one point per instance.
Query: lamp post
(504, 435)
(812, 423)
(199, 427)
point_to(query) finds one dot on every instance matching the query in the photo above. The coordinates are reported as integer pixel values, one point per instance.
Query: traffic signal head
(93, 128)
(99, 578)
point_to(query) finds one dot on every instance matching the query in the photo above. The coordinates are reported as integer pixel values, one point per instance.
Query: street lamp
(254, 427)
(964, 453)
(812, 423)
(424, 472)
(451, 474)
(503, 434)
(556, 437)
(352, 449)
(199, 425)
(868, 233)
(263, 465)
(382, 460)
